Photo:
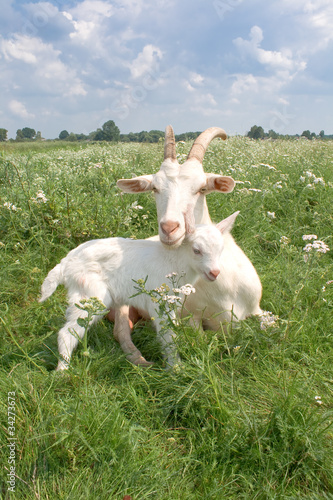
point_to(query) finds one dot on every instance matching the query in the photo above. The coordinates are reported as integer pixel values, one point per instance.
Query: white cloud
(47, 71)
(282, 59)
(19, 109)
(146, 62)
(22, 48)
(196, 79)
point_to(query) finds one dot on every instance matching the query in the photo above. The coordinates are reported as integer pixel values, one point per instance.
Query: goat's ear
(221, 183)
(225, 225)
(189, 220)
(136, 185)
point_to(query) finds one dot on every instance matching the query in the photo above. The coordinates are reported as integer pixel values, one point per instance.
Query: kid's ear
(221, 183)
(136, 185)
(226, 224)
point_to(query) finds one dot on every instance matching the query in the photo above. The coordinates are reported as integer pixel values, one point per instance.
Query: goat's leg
(166, 338)
(122, 333)
(70, 335)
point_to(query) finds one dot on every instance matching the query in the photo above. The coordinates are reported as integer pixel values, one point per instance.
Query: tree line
(111, 133)
(257, 132)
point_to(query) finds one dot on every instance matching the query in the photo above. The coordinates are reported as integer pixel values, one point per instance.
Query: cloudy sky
(74, 64)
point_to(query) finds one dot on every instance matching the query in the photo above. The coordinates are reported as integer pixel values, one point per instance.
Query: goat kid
(107, 269)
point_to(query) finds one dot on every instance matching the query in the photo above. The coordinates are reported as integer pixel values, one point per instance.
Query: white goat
(236, 293)
(108, 268)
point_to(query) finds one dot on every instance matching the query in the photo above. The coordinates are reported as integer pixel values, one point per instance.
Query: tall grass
(248, 414)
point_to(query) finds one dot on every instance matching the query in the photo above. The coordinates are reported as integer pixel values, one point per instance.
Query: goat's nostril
(169, 227)
(214, 273)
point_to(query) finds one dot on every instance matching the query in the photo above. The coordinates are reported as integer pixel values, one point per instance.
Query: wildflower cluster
(267, 319)
(316, 245)
(40, 197)
(167, 298)
(311, 179)
(10, 206)
(284, 240)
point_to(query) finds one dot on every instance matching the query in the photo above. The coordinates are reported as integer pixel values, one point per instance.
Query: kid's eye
(196, 251)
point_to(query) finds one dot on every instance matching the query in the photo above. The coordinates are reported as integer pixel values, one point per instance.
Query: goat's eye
(154, 189)
(203, 189)
(197, 251)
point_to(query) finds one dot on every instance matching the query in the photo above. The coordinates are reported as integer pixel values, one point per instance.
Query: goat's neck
(201, 214)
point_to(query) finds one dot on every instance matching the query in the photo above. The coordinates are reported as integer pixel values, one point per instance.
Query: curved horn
(202, 142)
(169, 144)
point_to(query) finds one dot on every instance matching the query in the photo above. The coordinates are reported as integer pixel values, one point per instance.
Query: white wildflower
(271, 215)
(267, 319)
(318, 245)
(171, 299)
(98, 165)
(170, 275)
(277, 185)
(310, 175)
(10, 206)
(187, 289)
(319, 180)
(309, 237)
(284, 240)
(302, 179)
(270, 167)
(40, 197)
(318, 400)
(255, 190)
(136, 206)
(162, 289)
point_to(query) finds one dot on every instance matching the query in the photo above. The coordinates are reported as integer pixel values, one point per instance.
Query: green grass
(248, 414)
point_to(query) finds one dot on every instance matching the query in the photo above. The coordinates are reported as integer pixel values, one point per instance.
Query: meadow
(248, 414)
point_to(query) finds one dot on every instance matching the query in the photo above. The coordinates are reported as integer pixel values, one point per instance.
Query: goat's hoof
(62, 366)
(139, 360)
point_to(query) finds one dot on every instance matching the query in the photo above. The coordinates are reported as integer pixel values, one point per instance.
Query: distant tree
(307, 134)
(110, 131)
(63, 135)
(3, 134)
(322, 134)
(143, 136)
(256, 132)
(124, 138)
(272, 134)
(38, 136)
(81, 137)
(28, 133)
(72, 137)
(133, 137)
(98, 135)
(155, 135)
(19, 135)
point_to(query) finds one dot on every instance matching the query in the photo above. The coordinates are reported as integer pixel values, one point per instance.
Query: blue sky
(73, 65)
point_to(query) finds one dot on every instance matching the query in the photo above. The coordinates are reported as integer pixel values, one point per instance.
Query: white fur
(106, 269)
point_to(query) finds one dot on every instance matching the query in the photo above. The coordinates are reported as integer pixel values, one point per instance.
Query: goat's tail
(52, 280)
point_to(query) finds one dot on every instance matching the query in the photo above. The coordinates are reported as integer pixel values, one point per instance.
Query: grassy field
(248, 415)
